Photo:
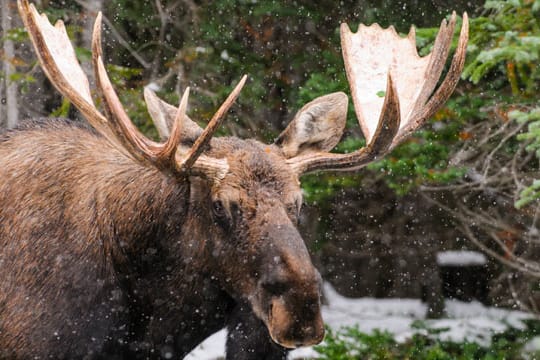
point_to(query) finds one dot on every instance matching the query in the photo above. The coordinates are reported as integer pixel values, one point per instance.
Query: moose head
(241, 199)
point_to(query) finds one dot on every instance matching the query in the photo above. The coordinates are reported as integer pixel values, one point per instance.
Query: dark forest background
(468, 180)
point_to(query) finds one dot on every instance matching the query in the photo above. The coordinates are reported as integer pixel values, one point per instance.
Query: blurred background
(451, 213)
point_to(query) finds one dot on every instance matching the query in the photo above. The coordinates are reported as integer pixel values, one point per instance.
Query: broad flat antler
(58, 60)
(378, 61)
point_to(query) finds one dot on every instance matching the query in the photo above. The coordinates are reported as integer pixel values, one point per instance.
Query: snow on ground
(471, 321)
(460, 258)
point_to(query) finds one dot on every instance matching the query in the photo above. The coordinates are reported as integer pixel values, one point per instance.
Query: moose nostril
(312, 335)
(311, 332)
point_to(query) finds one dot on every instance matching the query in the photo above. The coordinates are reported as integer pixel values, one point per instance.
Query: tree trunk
(9, 113)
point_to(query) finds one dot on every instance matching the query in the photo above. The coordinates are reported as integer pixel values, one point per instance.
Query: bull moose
(116, 246)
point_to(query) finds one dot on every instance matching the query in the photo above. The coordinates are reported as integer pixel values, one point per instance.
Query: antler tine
(441, 95)
(201, 142)
(388, 124)
(438, 57)
(137, 144)
(214, 169)
(168, 153)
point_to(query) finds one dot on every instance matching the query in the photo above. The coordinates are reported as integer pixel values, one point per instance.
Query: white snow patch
(532, 346)
(212, 348)
(471, 321)
(460, 258)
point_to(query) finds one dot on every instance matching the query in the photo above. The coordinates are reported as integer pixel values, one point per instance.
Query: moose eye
(220, 214)
(218, 209)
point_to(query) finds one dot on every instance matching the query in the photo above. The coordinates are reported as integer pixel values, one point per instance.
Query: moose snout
(292, 327)
(289, 290)
(293, 314)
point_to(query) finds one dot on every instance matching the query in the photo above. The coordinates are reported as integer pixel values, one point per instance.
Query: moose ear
(163, 115)
(318, 126)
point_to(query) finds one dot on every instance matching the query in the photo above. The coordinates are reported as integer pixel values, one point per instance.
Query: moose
(115, 246)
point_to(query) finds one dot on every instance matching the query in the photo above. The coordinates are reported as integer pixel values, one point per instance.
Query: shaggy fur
(102, 257)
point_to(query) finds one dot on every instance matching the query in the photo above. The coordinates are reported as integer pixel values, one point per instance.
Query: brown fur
(101, 256)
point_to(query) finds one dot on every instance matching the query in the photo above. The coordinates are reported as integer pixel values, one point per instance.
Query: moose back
(116, 246)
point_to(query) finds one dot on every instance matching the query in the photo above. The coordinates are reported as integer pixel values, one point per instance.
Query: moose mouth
(292, 330)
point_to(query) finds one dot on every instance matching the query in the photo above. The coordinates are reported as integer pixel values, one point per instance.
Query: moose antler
(58, 60)
(393, 89)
